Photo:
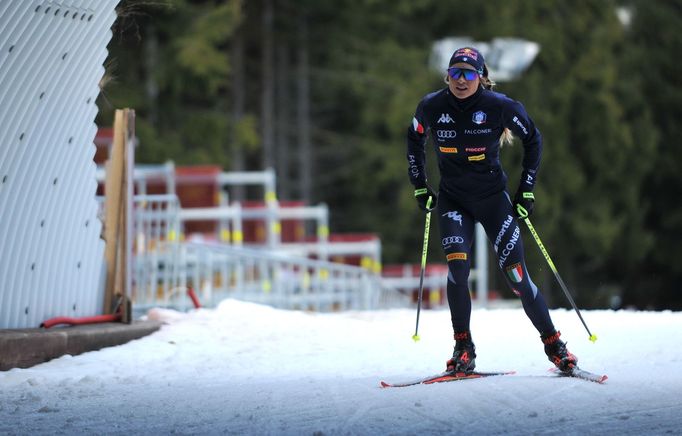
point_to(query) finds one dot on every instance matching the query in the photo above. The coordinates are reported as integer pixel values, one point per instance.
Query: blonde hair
(506, 138)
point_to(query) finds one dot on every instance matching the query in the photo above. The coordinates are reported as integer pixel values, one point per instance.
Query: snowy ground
(249, 369)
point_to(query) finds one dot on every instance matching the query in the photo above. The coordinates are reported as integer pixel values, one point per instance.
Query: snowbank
(244, 368)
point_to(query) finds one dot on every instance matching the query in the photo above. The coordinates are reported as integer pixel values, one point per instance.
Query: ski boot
(558, 354)
(464, 356)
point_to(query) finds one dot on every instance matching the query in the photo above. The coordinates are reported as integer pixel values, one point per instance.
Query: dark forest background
(324, 91)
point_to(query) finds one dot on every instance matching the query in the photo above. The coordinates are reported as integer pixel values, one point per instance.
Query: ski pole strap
(420, 191)
(521, 211)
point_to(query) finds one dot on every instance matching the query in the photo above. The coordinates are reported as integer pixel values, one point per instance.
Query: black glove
(523, 204)
(422, 195)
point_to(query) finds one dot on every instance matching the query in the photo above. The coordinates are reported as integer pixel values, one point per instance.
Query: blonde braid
(506, 137)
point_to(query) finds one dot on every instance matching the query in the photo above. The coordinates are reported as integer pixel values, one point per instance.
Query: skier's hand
(422, 195)
(523, 204)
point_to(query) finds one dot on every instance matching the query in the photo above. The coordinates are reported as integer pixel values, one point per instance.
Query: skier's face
(461, 87)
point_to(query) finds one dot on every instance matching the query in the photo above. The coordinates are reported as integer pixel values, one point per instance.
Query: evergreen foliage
(605, 95)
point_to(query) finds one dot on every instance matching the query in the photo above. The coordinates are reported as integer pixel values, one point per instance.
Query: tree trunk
(303, 113)
(267, 97)
(238, 105)
(283, 121)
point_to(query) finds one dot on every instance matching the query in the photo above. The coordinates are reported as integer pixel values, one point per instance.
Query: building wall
(51, 61)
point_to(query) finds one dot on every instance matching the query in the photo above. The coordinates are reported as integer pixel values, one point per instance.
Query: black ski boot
(558, 354)
(464, 357)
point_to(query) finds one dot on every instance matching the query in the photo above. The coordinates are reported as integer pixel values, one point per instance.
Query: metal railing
(230, 220)
(222, 271)
(165, 267)
(156, 249)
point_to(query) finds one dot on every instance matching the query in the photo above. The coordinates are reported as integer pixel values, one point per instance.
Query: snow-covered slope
(249, 369)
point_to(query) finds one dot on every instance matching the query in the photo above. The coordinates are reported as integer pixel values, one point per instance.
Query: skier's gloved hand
(523, 204)
(422, 195)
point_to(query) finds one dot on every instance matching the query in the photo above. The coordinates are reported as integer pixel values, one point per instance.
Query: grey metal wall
(51, 57)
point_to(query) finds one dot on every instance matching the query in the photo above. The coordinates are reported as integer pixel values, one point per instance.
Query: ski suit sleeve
(416, 154)
(517, 120)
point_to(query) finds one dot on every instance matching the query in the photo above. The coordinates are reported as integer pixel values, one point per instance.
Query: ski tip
(383, 384)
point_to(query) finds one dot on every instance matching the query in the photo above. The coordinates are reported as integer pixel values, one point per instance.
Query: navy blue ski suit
(466, 135)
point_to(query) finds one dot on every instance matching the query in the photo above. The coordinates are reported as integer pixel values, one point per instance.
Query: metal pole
(593, 338)
(425, 248)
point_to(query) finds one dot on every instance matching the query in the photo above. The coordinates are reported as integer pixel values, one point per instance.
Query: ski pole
(593, 338)
(425, 247)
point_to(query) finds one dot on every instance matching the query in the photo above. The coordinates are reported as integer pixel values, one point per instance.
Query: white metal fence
(221, 271)
(156, 249)
(164, 268)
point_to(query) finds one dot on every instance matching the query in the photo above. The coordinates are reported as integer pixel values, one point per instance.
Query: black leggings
(495, 213)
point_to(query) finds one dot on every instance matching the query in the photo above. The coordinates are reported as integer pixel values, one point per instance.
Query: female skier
(468, 123)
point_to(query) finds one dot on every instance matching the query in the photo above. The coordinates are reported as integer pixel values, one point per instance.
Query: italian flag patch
(416, 125)
(515, 273)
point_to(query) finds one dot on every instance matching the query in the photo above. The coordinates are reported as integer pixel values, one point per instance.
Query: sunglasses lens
(470, 74)
(456, 73)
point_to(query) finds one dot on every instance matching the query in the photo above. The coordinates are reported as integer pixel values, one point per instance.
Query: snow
(244, 368)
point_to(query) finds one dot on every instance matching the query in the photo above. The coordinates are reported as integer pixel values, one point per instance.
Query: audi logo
(446, 133)
(453, 240)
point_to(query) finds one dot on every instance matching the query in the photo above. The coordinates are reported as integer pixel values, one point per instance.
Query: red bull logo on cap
(467, 52)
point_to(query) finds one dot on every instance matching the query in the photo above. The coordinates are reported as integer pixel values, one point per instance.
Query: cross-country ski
(443, 377)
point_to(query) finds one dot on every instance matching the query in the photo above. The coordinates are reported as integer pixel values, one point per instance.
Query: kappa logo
(455, 216)
(445, 118)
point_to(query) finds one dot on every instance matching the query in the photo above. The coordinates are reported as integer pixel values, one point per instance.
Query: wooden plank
(126, 221)
(112, 208)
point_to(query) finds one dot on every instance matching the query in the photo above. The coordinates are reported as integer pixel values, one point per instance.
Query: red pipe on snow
(193, 297)
(80, 321)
